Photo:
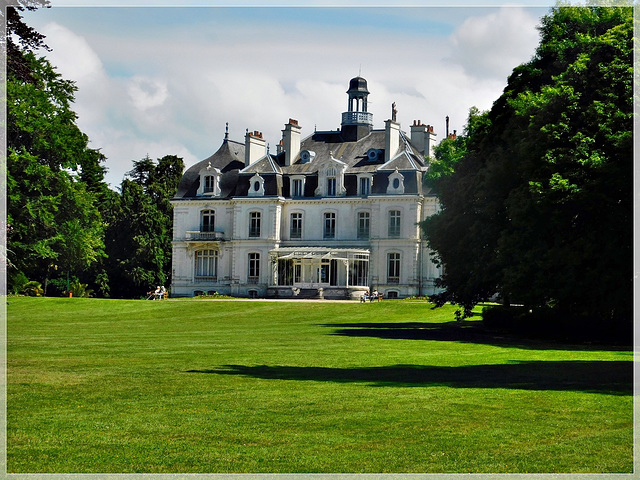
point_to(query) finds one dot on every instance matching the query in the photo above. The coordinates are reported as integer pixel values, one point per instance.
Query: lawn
(195, 386)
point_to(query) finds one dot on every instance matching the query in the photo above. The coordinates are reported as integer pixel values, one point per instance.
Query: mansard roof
(229, 159)
(329, 147)
(352, 153)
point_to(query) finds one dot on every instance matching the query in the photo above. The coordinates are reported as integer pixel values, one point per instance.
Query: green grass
(229, 386)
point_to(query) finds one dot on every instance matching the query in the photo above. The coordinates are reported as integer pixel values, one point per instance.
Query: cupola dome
(358, 84)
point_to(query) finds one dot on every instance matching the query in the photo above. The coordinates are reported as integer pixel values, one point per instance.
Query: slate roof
(353, 154)
(328, 147)
(229, 159)
(265, 165)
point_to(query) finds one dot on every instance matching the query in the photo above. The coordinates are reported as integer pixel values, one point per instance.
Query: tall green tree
(539, 210)
(54, 225)
(18, 37)
(450, 150)
(140, 232)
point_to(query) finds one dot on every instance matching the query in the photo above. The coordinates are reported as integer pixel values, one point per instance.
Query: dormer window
(307, 156)
(256, 186)
(331, 180)
(373, 154)
(297, 186)
(331, 186)
(365, 181)
(396, 183)
(209, 184)
(209, 181)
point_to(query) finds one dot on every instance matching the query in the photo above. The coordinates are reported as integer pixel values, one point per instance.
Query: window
(256, 186)
(331, 186)
(254, 268)
(329, 225)
(207, 221)
(296, 225)
(363, 225)
(396, 184)
(359, 270)
(364, 185)
(297, 188)
(207, 264)
(209, 181)
(394, 223)
(393, 268)
(254, 224)
(209, 184)
(392, 294)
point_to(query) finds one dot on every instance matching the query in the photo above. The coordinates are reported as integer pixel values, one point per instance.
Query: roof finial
(226, 131)
(360, 71)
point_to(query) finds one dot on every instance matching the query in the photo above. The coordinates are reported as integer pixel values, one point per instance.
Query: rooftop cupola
(357, 121)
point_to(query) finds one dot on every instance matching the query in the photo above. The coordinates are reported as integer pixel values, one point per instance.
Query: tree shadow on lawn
(464, 331)
(605, 377)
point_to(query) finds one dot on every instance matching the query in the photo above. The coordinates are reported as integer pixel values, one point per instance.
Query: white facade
(331, 215)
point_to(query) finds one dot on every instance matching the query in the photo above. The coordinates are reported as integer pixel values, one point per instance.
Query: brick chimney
(291, 141)
(254, 147)
(423, 138)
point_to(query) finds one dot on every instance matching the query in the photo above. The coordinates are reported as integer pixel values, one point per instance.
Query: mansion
(327, 216)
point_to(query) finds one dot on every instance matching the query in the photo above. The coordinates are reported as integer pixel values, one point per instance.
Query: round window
(256, 186)
(396, 182)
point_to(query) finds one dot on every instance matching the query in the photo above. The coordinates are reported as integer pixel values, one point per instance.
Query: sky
(165, 80)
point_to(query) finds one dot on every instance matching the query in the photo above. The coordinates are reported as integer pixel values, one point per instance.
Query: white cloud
(146, 93)
(173, 93)
(492, 45)
(73, 56)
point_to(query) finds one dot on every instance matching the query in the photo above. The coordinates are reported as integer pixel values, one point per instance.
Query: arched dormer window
(396, 183)
(331, 180)
(209, 181)
(256, 186)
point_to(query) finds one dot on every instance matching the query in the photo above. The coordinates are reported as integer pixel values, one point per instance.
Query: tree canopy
(539, 208)
(63, 221)
(140, 231)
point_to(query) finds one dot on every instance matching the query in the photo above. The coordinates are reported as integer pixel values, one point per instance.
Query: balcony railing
(357, 118)
(204, 236)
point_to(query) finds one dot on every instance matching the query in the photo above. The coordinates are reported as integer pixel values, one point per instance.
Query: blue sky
(164, 80)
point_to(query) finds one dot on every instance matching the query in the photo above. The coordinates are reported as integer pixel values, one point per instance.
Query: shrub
(16, 281)
(32, 289)
(205, 296)
(80, 289)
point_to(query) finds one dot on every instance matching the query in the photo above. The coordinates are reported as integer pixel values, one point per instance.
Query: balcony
(357, 118)
(197, 236)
